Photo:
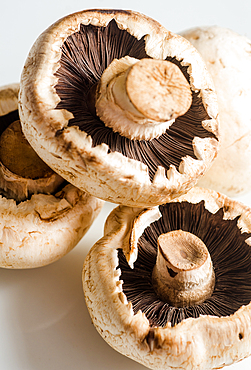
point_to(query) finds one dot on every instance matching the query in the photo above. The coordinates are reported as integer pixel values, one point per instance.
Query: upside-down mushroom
(42, 217)
(170, 286)
(119, 106)
(228, 59)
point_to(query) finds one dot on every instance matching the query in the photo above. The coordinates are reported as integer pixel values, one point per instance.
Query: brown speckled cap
(40, 219)
(60, 81)
(131, 316)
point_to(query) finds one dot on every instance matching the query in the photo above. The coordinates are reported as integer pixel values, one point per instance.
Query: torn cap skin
(41, 219)
(81, 113)
(134, 319)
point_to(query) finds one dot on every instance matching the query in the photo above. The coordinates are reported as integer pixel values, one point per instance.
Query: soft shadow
(44, 320)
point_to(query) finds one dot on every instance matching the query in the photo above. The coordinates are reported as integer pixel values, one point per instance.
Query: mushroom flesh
(228, 59)
(42, 217)
(170, 286)
(120, 107)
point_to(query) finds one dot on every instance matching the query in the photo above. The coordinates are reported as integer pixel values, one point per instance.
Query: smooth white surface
(43, 318)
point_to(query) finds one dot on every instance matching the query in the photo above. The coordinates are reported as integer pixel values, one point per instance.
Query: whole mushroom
(228, 59)
(170, 286)
(42, 217)
(119, 106)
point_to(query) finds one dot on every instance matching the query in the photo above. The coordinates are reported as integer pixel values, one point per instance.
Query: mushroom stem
(22, 172)
(183, 274)
(18, 156)
(146, 95)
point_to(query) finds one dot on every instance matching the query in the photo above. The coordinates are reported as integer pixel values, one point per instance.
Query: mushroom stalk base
(183, 274)
(140, 99)
(22, 171)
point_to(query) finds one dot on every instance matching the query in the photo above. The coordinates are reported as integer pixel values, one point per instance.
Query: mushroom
(119, 107)
(170, 286)
(228, 59)
(22, 172)
(42, 217)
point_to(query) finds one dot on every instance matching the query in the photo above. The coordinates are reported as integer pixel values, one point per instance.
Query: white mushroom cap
(204, 343)
(228, 59)
(71, 152)
(42, 229)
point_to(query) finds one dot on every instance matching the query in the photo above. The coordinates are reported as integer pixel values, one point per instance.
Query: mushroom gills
(7, 119)
(230, 255)
(78, 77)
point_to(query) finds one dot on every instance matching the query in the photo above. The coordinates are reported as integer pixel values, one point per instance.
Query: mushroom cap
(206, 342)
(51, 130)
(42, 229)
(228, 59)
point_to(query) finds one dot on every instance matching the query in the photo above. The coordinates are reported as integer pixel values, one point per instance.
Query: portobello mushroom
(42, 217)
(119, 106)
(170, 286)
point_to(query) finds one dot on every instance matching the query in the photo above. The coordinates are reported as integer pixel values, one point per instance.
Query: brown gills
(230, 254)
(7, 119)
(85, 55)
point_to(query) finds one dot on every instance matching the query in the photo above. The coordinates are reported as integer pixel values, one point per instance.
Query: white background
(44, 323)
